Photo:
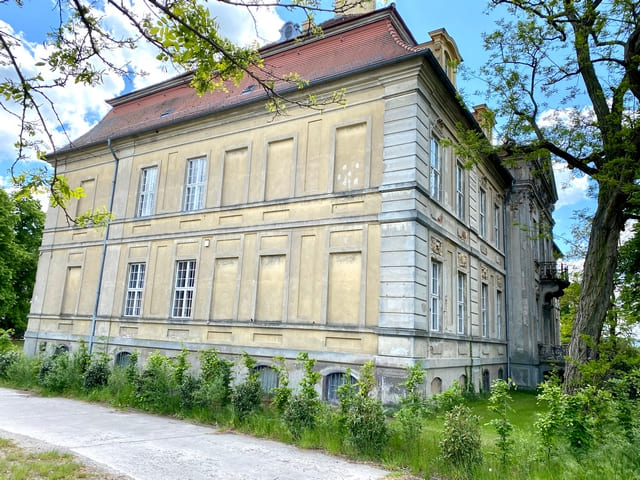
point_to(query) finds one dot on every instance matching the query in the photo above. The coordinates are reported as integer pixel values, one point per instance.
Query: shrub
(156, 387)
(447, 400)
(364, 417)
(215, 380)
(461, 445)
(412, 405)
(6, 345)
(499, 403)
(97, 373)
(281, 393)
(303, 408)
(247, 396)
(56, 374)
(7, 359)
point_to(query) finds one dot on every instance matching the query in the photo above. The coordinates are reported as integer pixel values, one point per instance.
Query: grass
(18, 463)
(612, 456)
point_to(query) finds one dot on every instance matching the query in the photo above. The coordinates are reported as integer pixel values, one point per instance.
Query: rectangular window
(499, 314)
(483, 309)
(435, 170)
(483, 213)
(147, 197)
(496, 226)
(460, 191)
(461, 312)
(184, 288)
(135, 288)
(435, 296)
(195, 185)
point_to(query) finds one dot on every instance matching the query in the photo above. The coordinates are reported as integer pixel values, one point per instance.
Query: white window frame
(499, 313)
(147, 194)
(195, 184)
(496, 226)
(435, 170)
(460, 192)
(483, 308)
(483, 213)
(184, 289)
(135, 289)
(435, 295)
(461, 311)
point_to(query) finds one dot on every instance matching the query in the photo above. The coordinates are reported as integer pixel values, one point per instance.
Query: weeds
(592, 434)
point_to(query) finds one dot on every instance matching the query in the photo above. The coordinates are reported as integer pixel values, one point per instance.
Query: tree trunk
(597, 282)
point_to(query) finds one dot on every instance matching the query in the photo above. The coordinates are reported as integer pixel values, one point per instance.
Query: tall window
(435, 170)
(196, 181)
(435, 296)
(460, 191)
(135, 288)
(496, 226)
(498, 314)
(333, 382)
(483, 309)
(184, 288)
(483, 213)
(146, 200)
(461, 311)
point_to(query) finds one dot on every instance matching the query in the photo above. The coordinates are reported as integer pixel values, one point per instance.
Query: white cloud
(79, 107)
(572, 189)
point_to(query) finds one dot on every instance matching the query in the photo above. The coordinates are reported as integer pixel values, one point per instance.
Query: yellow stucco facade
(352, 233)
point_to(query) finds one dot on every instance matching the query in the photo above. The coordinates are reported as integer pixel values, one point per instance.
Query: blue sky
(464, 20)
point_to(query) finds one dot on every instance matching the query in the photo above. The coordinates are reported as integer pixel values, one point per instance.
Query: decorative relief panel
(436, 246)
(462, 260)
(484, 272)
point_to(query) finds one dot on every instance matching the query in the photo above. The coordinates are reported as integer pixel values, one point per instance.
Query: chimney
(353, 7)
(486, 119)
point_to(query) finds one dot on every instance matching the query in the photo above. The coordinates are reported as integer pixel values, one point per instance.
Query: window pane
(184, 288)
(435, 296)
(435, 169)
(135, 288)
(194, 188)
(146, 200)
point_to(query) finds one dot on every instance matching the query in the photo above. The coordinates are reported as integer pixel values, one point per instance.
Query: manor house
(352, 232)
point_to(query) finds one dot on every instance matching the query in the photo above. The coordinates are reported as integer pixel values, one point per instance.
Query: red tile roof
(348, 44)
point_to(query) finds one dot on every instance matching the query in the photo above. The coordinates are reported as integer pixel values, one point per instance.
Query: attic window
(248, 88)
(166, 112)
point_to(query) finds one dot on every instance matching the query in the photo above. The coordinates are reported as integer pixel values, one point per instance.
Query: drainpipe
(104, 247)
(506, 274)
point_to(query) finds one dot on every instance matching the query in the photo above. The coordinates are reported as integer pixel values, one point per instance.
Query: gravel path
(141, 446)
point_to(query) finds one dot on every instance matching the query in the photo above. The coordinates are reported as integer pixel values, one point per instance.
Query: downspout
(104, 247)
(506, 275)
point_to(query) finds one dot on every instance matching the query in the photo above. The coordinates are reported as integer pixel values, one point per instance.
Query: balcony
(554, 279)
(552, 353)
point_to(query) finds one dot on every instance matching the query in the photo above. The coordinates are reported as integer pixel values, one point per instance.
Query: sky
(81, 107)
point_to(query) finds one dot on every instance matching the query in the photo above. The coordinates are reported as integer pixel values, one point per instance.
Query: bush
(156, 387)
(303, 408)
(247, 396)
(461, 444)
(281, 393)
(445, 402)
(215, 380)
(413, 404)
(7, 359)
(97, 373)
(55, 373)
(364, 417)
(499, 403)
